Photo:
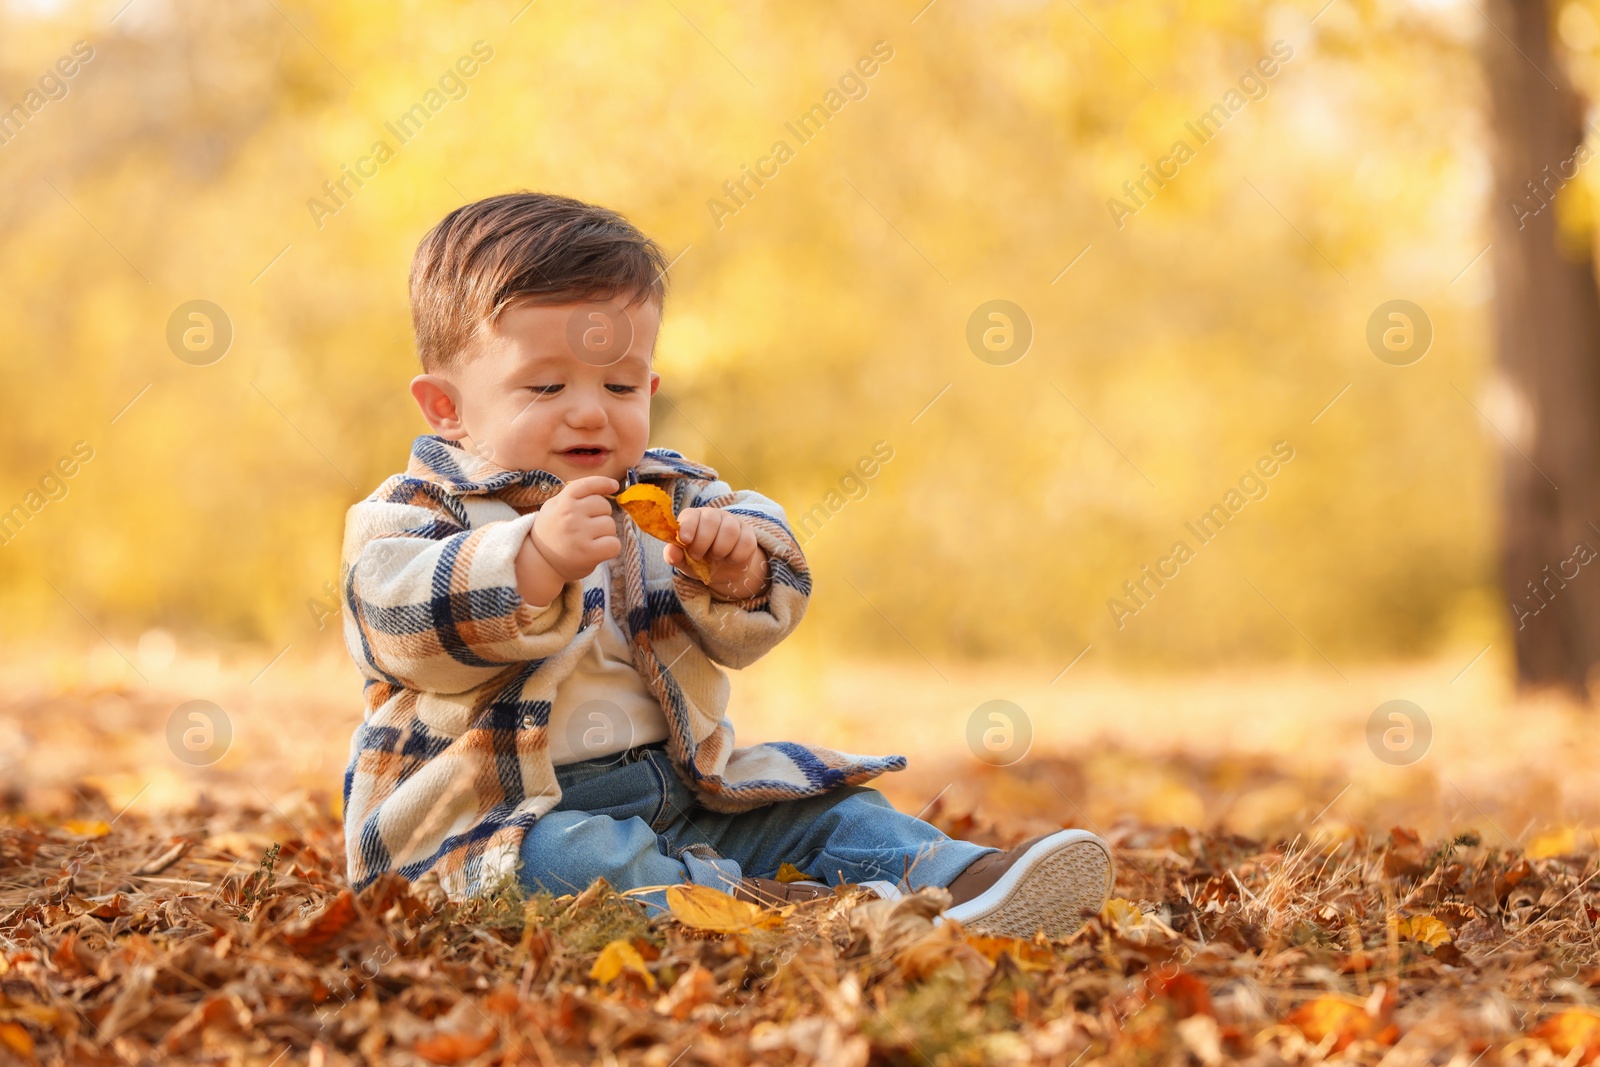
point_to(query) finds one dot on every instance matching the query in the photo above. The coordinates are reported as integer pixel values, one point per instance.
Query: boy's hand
(728, 544)
(575, 531)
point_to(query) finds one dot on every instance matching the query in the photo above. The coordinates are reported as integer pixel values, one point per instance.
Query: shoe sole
(1050, 888)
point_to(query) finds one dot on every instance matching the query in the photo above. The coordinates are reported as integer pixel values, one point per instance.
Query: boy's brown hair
(523, 247)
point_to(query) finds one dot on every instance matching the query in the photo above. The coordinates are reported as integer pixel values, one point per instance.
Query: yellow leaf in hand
(705, 908)
(651, 509)
(619, 956)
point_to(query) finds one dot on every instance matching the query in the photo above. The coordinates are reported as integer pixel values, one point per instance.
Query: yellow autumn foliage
(204, 289)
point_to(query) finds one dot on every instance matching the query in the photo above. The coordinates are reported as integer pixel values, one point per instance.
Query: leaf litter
(235, 939)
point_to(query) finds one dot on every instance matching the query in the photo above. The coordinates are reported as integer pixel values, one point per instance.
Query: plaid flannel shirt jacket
(450, 765)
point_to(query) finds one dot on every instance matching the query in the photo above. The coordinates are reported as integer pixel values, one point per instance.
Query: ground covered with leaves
(229, 935)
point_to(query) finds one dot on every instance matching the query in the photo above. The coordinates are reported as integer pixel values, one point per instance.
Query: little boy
(544, 701)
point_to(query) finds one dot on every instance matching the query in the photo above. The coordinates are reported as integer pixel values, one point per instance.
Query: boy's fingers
(705, 534)
(593, 485)
(727, 539)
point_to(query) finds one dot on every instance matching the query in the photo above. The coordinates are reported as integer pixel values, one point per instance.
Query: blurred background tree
(828, 313)
(1547, 339)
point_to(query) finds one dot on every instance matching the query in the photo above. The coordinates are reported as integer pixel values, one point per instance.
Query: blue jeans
(630, 818)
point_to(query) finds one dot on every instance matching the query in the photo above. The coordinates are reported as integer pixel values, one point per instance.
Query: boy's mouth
(584, 454)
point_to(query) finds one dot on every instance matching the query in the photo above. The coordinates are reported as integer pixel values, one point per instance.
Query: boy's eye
(552, 390)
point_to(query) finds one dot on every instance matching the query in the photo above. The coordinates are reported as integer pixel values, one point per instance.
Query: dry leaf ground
(1291, 907)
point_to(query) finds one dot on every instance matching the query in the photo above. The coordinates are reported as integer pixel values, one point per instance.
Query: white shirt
(603, 706)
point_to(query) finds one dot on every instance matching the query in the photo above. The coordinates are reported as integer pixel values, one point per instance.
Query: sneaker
(1052, 882)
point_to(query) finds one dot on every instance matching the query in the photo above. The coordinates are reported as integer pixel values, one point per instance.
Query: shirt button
(527, 722)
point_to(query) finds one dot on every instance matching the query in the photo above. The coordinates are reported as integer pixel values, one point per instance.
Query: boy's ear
(655, 380)
(440, 405)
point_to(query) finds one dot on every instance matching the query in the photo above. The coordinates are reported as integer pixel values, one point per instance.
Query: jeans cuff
(703, 865)
(940, 865)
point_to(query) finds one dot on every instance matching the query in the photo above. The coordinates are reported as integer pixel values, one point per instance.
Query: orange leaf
(1570, 1030)
(18, 1040)
(651, 508)
(695, 987)
(1028, 956)
(322, 930)
(1188, 994)
(453, 1048)
(1343, 1019)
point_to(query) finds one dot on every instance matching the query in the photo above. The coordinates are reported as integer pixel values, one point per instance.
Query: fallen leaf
(321, 931)
(1342, 1019)
(694, 987)
(38, 1014)
(1188, 994)
(157, 864)
(1202, 1037)
(1121, 914)
(651, 508)
(1512, 877)
(70, 960)
(1026, 954)
(705, 908)
(1557, 841)
(889, 926)
(788, 872)
(216, 1012)
(503, 1001)
(239, 843)
(90, 828)
(941, 946)
(18, 1040)
(1572, 1030)
(619, 956)
(453, 1048)
(1347, 1019)
(1404, 856)
(1424, 928)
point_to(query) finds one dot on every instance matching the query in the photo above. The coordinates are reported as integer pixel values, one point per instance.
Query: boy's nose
(587, 416)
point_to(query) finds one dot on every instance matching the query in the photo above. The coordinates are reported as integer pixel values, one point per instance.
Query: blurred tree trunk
(1548, 341)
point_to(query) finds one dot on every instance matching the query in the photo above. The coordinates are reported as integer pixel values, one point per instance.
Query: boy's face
(547, 380)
